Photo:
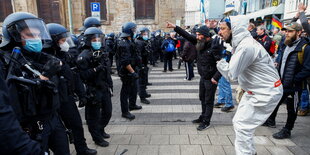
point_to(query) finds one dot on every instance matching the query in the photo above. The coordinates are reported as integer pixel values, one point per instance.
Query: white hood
(239, 26)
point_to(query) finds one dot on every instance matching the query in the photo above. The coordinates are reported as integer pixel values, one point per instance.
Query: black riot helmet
(128, 29)
(92, 33)
(59, 32)
(143, 30)
(15, 24)
(111, 35)
(91, 22)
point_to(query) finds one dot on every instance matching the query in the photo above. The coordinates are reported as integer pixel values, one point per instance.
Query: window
(49, 11)
(103, 8)
(5, 9)
(144, 9)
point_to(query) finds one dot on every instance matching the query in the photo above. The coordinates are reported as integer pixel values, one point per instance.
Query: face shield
(64, 37)
(97, 41)
(30, 29)
(145, 35)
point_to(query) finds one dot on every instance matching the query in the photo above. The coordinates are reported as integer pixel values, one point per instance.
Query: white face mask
(64, 47)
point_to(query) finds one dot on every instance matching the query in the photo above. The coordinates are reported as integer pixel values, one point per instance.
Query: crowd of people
(45, 70)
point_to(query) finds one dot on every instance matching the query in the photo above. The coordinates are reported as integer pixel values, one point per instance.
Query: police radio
(14, 56)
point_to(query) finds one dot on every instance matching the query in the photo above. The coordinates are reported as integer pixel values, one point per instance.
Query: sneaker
(282, 134)
(219, 105)
(136, 107)
(164, 70)
(170, 70)
(302, 112)
(145, 101)
(270, 123)
(227, 109)
(203, 126)
(196, 121)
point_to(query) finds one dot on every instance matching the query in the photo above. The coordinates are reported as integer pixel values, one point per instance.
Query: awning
(268, 11)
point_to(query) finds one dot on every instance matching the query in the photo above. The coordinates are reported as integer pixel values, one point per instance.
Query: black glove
(52, 67)
(82, 102)
(98, 68)
(134, 75)
(217, 44)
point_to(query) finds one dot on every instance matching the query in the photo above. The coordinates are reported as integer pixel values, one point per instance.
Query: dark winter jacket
(294, 72)
(189, 52)
(265, 41)
(206, 58)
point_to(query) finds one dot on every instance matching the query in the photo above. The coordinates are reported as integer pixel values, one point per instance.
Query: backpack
(300, 56)
(272, 48)
(170, 47)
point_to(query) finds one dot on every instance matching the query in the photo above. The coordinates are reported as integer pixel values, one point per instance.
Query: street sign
(95, 7)
(95, 10)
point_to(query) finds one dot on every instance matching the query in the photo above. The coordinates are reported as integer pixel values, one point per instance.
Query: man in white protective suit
(254, 70)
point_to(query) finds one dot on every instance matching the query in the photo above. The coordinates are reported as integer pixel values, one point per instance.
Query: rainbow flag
(276, 22)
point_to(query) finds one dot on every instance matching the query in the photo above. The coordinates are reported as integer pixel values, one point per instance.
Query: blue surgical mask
(96, 45)
(145, 37)
(33, 45)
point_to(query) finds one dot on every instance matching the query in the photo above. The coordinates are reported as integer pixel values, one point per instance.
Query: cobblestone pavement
(164, 127)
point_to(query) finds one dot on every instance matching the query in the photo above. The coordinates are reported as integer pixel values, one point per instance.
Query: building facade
(213, 10)
(113, 13)
(291, 8)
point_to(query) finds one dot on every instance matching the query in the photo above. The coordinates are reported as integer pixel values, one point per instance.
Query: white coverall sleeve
(238, 63)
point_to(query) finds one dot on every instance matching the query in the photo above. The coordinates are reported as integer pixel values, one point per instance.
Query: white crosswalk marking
(175, 87)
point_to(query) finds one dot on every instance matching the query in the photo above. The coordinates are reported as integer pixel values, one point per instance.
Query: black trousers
(168, 60)
(98, 113)
(128, 94)
(206, 95)
(54, 136)
(72, 120)
(143, 80)
(291, 107)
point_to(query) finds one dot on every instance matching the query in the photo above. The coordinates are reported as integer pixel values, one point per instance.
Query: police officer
(129, 64)
(110, 47)
(68, 110)
(95, 72)
(88, 22)
(13, 140)
(143, 48)
(32, 80)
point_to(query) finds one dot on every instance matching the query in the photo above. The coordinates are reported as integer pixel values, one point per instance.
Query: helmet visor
(29, 29)
(98, 38)
(65, 37)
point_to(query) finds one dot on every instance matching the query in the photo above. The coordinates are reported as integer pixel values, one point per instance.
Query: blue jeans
(225, 93)
(304, 100)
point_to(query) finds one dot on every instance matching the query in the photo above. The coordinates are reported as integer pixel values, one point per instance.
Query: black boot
(102, 143)
(136, 107)
(282, 134)
(145, 101)
(148, 95)
(105, 135)
(87, 151)
(128, 116)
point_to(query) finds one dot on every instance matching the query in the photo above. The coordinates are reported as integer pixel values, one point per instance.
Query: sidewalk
(164, 126)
